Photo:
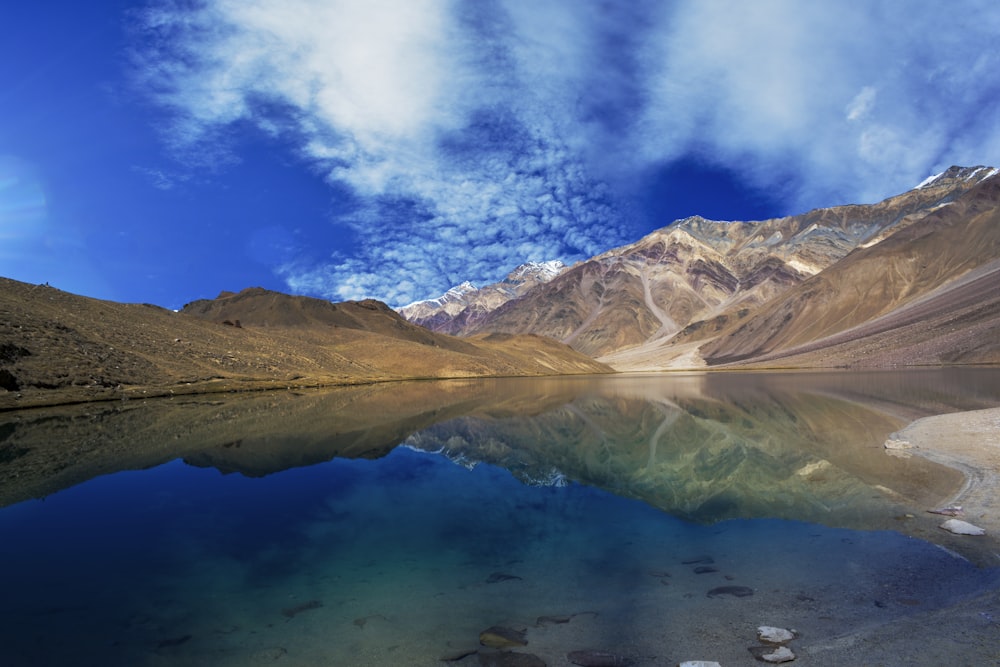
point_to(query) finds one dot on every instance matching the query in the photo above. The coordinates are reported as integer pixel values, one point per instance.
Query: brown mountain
(929, 293)
(260, 308)
(57, 347)
(653, 303)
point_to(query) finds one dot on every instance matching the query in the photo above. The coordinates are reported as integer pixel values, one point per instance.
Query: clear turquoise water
(389, 562)
(403, 557)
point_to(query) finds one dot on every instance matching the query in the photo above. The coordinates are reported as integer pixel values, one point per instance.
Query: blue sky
(163, 151)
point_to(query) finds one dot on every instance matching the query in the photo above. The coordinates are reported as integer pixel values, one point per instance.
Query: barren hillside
(57, 347)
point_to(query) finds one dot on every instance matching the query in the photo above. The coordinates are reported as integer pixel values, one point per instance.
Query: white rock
(699, 663)
(773, 635)
(780, 654)
(960, 527)
(810, 468)
(893, 443)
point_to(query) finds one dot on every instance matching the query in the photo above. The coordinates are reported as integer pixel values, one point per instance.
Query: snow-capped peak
(930, 179)
(459, 290)
(450, 300)
(976, 174)
(539, 271)
(455, 300)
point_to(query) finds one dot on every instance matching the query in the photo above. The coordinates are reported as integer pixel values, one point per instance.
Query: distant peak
(464, 288)
(956, 173)
(696, 221)
(543, 271)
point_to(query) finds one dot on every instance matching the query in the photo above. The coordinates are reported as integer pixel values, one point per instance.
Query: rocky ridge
(656, 303)
(464, 305)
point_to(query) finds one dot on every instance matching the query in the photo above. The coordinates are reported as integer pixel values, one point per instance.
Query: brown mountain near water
(912, 280)
(929, 293)
(57, 347)
(700, 293)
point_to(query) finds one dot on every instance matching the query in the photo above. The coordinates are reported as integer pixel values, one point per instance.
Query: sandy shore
(969, 631)
(969, 441)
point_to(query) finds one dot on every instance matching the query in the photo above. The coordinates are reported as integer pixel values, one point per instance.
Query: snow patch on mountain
(968, 174)
(467, 295)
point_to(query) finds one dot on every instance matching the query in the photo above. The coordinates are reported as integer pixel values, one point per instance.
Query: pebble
(507, 659)
(960, 527)
(780, 654)
(699, 663)
(735, 591)
(773, 635)
(502, 637)
(459, 654)
(597, 659)
(554, 620)
(694, 560)
(893, 443)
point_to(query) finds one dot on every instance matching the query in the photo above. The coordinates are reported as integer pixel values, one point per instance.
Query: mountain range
(464, 305)
(910, 280)
(57, 347)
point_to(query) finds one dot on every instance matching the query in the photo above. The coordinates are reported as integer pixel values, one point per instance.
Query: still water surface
(661, 518)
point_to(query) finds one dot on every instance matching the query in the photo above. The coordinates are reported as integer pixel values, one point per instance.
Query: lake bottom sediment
(406, 559)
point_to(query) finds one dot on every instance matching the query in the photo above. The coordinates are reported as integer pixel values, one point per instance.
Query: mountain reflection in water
(325, 542)
(704, 447)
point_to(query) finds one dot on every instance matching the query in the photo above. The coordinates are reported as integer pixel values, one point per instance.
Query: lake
(657, 518)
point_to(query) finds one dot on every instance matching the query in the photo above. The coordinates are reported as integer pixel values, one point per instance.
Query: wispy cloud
(858, 100)
(479, 134)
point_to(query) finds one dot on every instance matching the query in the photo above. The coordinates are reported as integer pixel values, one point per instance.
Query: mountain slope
(929, 293)
(257, 307)
(57, 347)
(627, 305)
(465, 304)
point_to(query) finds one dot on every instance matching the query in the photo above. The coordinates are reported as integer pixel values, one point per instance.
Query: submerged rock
(497, 577)
(292, 612)
(173, 641)
(694, 560)
(773, 635)
(507, 659)
(598, 659)
(502, 637)
(561, 619)
(960, 527)
(553, 620)
(458, 654)
(734, 591)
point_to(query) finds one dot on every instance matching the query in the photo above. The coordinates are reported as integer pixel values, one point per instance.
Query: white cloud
(764, 86)
(477, 135)
(862, 104)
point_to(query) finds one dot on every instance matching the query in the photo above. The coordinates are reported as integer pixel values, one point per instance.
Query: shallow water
(326, 557)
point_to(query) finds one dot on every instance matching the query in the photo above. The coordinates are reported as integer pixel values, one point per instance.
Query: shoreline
(970, 442)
